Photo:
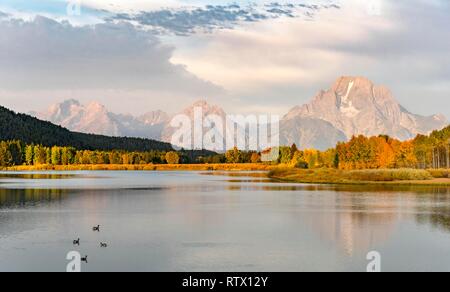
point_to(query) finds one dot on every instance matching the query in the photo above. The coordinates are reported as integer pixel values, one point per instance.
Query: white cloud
(130, 5)
(44, 55)
(269, 65)
(285, 62)
(189, 20)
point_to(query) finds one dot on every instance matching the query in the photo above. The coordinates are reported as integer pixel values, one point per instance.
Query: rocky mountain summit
(352, 106)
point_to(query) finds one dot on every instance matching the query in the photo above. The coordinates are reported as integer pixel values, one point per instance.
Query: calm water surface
(182, 221)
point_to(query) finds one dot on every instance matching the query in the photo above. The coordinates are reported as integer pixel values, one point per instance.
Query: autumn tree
(29, 154)
(285, 155)
(256, 158)
(68, 155)
(298, 161)
(233, 156)
(5, 155)
(56, 155)
(40, 155)
(172, 158)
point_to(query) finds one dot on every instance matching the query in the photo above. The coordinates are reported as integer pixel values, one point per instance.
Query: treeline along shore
(362, 159)
(380, 152)
(27, 143)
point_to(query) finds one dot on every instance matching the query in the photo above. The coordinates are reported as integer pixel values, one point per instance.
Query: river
(188, 221)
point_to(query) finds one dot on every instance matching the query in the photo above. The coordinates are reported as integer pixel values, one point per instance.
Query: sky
(261, 57)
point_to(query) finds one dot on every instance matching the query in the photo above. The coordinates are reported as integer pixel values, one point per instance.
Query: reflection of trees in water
(386, 188)
(359, 218)
(38, 175)
(354, 222)
(29, 197)
(377, 208)
(436, 212)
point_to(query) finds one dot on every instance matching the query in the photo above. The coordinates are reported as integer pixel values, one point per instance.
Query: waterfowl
(96, 228)
(84, 259)
(103, 245)
(76, 242)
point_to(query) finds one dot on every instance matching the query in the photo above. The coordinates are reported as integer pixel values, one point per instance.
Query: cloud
(285, 62)
(47, 55)
(265, 59)
(131, 5)
(188, 20)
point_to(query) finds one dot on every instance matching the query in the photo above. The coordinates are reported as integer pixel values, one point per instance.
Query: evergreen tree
(15, 148)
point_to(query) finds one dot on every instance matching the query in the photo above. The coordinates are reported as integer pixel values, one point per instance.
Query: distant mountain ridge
(14, 126)
(352, 106)
(355, 105)
(94, 118)
(206, 110)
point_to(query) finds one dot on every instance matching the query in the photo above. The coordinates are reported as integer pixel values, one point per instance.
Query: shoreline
(440, 182)
(144, 167)
(275, 172)
(357, 177)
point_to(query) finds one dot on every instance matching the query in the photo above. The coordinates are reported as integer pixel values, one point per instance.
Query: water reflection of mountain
(355, 223)
(431, 203)
(356, 219)
(360, 220)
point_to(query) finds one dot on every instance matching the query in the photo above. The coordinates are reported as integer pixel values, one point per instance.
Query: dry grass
(439, 173)
(349, 177)
(286, 174)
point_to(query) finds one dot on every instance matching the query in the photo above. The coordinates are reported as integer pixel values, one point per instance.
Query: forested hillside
(30, 130)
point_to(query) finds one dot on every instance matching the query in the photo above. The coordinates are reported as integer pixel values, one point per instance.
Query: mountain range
(30, 130)
(94, 118)
(352, 106)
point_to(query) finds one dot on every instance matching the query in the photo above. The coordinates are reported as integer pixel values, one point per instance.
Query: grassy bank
(147, 167)
(283, 174)
(379, 176)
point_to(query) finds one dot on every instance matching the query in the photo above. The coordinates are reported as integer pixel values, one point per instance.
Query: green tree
(336, 160)
(5, 155)
(68, 155)
(15, 148)
(48, 155)
(29, 154)
(56, 155)
(40, 155)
